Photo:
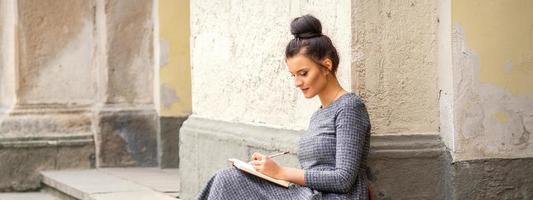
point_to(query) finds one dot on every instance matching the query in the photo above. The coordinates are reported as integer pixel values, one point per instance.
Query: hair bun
(306, 26)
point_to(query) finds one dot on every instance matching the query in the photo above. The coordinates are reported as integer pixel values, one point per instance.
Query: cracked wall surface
(493, 68)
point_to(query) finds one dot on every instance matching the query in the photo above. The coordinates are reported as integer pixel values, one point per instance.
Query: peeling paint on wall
(168, 96)
(490, 120)
(501, 34)
(175, 71)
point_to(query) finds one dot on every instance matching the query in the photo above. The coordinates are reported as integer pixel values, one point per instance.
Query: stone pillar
(126, 122)
(46, 121)
(395, 68)
(76, 85)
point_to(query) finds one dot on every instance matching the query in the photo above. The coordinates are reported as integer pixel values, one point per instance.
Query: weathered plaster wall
(493, 84)
(7, 54)
(175, 71)
(55, 59)
(130, 51)
(395, 63)
(125, 123)
(237, 57)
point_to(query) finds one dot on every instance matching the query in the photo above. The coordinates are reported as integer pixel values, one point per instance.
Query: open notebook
(244, 166)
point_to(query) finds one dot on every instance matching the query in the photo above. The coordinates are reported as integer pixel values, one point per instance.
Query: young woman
(332, 152)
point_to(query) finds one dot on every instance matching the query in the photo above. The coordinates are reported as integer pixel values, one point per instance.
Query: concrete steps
(113, 184)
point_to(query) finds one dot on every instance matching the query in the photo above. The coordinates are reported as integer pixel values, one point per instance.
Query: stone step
(114, 183)
(27, 196)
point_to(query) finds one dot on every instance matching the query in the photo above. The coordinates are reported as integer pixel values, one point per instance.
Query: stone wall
(395, 64)
(244, 99)
(237, 57)
(76, 83)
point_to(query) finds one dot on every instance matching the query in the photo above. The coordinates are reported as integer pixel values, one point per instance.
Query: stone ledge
(382, 145)
(46, 141)
(395, 159)
(244, 134)
(410, 145)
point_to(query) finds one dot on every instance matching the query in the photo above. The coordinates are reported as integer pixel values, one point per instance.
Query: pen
(278, 154)
(274, 155)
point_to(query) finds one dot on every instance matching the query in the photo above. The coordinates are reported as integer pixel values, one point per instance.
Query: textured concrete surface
(395, 63)
(237, 58)
(127, 138)
(491, 179)
(398, 163)
(161, 180)
(168, 141)
(118, 183)
(27, 196)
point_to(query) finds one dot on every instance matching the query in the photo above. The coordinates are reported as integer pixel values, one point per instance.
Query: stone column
(125, 117)
(76, 85)
(395, 70)
(46, 122)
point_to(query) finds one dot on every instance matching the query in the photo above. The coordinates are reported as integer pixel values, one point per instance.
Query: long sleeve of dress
(352, 127)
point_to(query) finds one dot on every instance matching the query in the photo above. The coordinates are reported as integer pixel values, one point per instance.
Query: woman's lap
(231, 183)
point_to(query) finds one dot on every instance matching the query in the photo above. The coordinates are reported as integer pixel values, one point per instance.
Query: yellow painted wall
(501, 33)
(176, 73)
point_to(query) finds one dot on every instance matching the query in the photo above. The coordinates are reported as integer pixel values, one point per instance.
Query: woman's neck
(332, 91)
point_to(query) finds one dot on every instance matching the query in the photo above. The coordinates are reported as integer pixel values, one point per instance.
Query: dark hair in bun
(309, 41)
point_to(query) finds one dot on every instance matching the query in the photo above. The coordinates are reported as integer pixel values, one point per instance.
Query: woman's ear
(328, 64)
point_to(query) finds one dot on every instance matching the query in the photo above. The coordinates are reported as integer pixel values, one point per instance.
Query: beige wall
(237, 57)
(175, 71)
(493, 70)
(53, 70)
(395, 64)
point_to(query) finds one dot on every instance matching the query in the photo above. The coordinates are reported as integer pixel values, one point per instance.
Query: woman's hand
(267, 166)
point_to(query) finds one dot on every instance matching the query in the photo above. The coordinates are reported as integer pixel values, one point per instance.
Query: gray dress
(333, 152)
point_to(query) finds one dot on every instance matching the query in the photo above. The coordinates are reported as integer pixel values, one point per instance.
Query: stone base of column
(34, 139)
(491, 179)
(168, 141)
(126, 137)
(402, 166)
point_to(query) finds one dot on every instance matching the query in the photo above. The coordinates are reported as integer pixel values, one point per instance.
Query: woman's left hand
(266, 165)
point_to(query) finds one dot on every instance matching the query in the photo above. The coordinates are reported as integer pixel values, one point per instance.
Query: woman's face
(308, 75)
